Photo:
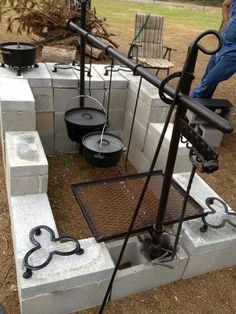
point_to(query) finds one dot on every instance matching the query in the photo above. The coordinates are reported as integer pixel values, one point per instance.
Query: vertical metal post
(184, 87)
(82, 50)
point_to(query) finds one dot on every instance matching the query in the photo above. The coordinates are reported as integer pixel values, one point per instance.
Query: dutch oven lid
(110, 143)
(86, 116)
(17, 46)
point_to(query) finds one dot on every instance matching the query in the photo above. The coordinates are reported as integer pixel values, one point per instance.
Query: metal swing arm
(183, 99)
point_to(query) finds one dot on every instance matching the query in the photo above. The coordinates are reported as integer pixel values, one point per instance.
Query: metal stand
(37, 232)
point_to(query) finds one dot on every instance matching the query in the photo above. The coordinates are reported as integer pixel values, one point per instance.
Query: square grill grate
(108, 205)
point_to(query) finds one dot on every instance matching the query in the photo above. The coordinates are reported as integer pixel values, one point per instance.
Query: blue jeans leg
(216, 72)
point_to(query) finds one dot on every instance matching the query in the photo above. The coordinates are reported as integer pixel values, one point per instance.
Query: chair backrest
(151, 35)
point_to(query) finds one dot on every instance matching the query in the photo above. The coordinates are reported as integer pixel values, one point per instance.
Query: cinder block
(118, 80)
(48, 143)
(212, 250)
(17, 121)
(27, 212)
(60, 125)
(93, 82)
(9, 72)
(63, 78)
(208, 251)
(145, 113)
(43, 98)
(27, 185)
(210, 134)
(16, 95)
(116, 119)
(138, 133)
(63, 144)
(143, 274)
(64, 99)
(25, 154)
(66, 301)
(148, 93)
(45, 123)
(38, 76)
(118, 99)
(99, 96)
(182, 163)
(26, 164)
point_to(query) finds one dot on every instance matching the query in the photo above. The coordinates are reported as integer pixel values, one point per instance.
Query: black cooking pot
(80, 121)
(102, 150)
(18, 54)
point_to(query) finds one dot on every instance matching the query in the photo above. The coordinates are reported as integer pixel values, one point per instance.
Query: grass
(121, 13)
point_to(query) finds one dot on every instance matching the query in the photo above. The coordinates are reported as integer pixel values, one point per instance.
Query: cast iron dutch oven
(80, 121)
(18, 54)
(102, 150)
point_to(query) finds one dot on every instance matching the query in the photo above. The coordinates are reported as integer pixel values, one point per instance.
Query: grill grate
(108, 205)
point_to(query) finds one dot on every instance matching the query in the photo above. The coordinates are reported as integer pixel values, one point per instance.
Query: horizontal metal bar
(206, 114)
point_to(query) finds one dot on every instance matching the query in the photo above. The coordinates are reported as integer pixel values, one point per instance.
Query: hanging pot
(102, 150)
(80, 121)
(18, 54)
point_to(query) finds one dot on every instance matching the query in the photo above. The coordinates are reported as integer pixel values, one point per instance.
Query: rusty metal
(108, 205)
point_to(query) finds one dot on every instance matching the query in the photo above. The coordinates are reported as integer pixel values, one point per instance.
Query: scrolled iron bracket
(201, 154)
(218, 219)
(37, 232)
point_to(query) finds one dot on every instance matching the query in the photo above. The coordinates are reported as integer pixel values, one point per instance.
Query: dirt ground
(211, 293)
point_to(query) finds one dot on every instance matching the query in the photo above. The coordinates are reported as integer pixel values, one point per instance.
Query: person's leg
(221, 71)
(2, 309)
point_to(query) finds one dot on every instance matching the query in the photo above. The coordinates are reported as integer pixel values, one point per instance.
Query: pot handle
(86, 96)
(6, 52)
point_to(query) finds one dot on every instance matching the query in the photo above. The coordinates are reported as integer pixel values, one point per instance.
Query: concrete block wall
(214, 249)
(26, 164)
(17, 107)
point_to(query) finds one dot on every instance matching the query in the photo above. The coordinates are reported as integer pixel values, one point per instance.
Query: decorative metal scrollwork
(201, 154)
(37, 232)
(218, 218)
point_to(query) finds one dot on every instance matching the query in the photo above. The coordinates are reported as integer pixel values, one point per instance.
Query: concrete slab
(16, 95)
(62, 78)
(38, 76)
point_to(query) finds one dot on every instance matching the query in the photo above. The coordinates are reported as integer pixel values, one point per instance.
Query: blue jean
(216, 72)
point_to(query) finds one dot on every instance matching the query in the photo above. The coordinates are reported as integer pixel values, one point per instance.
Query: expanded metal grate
(108, 205)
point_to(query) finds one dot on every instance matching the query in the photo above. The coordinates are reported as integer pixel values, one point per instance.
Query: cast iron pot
(80, 121)
(18, 54)
(102, 149)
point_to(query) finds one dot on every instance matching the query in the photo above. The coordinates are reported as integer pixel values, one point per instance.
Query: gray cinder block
(45, 123)
(21, 99)
(62, 78)
(26, 164)
(38, 76)
(43, 98)
(210, 134)
(118, 80)
(93, 82)
(64, 99)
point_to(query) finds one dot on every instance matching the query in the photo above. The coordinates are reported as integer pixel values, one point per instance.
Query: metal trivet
(218, 219)
(73, 65)
(20, 69)
(108, 205)
(37, 232)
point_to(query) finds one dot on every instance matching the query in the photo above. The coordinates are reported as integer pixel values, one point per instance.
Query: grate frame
(98, 231)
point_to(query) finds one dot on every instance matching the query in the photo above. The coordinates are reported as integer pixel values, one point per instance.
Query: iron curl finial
(195, 44)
